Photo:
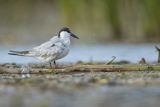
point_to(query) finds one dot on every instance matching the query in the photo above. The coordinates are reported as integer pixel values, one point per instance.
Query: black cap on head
(67, 30)
(64, 29)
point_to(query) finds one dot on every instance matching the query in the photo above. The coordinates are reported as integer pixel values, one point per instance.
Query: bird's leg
(51, 64)
(55, 64)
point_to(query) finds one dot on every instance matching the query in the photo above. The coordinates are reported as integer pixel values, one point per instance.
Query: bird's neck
(66, 41)
(65, 37)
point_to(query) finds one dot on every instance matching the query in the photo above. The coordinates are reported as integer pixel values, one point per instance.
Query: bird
(51, 51)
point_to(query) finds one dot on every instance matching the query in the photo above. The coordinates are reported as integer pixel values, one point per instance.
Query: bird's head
(65, 33)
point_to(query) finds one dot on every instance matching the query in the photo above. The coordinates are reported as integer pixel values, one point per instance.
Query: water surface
(100, 53)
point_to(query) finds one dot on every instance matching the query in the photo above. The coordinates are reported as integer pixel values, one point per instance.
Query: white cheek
(64, 35)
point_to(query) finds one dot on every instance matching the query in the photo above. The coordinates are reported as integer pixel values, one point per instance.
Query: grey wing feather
(48, 44)
(46, 48)
(18, 53)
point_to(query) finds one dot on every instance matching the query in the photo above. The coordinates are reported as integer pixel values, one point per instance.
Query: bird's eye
(68, 31)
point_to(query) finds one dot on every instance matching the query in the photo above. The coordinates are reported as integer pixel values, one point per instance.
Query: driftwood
(82, 68)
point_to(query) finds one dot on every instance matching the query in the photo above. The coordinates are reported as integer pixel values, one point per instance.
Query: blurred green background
(94, 21)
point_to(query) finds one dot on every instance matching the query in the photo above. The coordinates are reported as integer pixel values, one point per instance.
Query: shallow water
(101, 53)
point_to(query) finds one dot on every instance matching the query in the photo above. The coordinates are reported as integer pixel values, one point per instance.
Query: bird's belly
(45, 59)
(47, 56)
(53, 55)
(63, 54)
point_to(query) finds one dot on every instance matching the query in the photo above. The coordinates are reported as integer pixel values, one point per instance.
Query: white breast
(63, 54)
(65, 47)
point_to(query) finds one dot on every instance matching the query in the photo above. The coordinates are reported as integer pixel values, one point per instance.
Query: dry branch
(83, 68)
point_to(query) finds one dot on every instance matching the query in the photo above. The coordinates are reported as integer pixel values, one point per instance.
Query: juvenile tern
(56, 48)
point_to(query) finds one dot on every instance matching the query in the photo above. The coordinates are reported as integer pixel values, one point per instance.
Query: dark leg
(50, 65)
(55, 64)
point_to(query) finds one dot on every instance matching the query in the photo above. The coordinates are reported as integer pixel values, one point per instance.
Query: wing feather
(48, 44)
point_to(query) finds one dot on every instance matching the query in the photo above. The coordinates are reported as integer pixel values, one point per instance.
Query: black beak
(73, 35)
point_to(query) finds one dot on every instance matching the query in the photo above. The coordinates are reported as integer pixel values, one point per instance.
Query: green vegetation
(103, 20)
(121, 18)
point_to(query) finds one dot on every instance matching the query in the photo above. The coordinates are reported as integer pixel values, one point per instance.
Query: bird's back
(48, 44)
(53, 49)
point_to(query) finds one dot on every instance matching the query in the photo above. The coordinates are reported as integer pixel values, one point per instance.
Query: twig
(158, 49)
(111, 61)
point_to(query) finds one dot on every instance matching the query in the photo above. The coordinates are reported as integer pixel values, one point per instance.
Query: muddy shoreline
(81, 89)
(76, 68)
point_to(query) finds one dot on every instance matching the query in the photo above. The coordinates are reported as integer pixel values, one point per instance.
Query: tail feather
(18, 53)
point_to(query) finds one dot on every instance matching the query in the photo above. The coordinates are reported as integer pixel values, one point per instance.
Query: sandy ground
(81, 89)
